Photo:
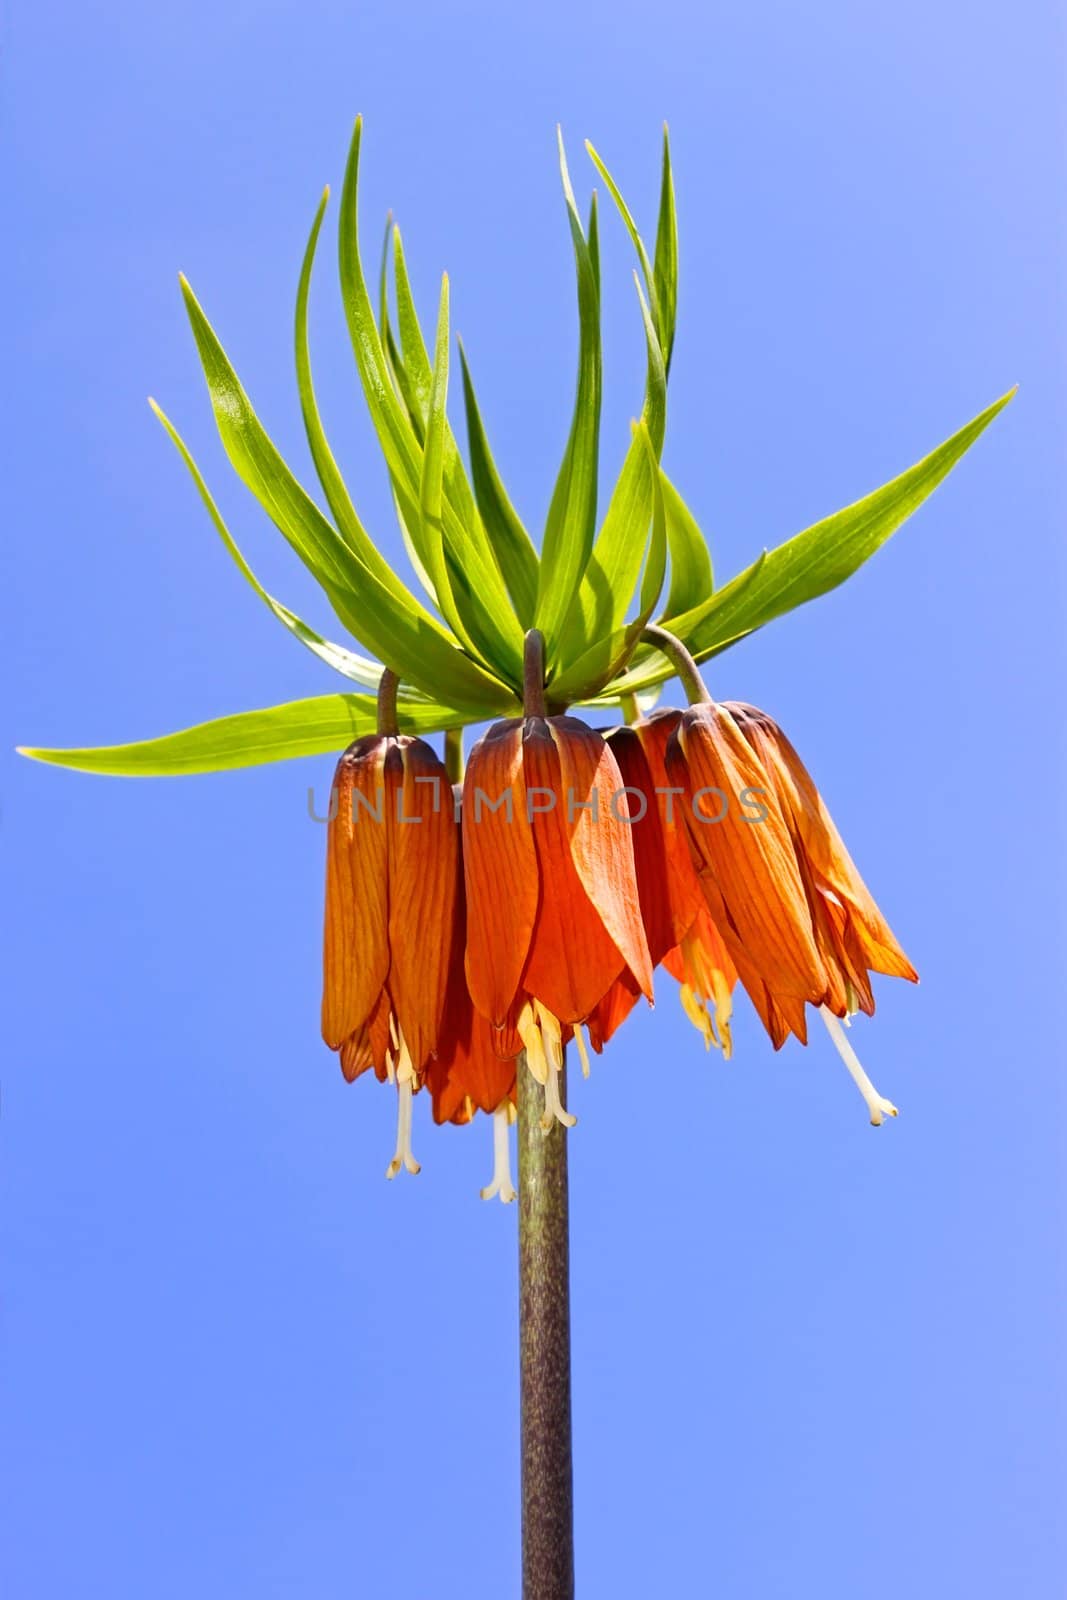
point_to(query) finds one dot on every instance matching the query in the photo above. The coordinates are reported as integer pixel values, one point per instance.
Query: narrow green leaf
(692, 580)
(394, 627)
(333, 484)
(326, 724)
(638, 243)
(598, 665)
(359, 668)
(813, 562)
(511, 543)
(477, 585)
(571, 522)
(431, 491)
(614, 566)
(665, 267)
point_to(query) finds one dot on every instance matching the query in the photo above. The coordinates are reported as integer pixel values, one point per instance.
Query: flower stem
(388, 684)
(533, 674)
(545, 1350)
(685, 667)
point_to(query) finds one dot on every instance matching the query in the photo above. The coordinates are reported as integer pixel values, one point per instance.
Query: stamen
(583, 1053)
(501, 1184)
(878, 1106)
(552, 1039)
(723, 1001)
(554, 1108)
(403, 1157)
(696, 1011)
(530, 1034)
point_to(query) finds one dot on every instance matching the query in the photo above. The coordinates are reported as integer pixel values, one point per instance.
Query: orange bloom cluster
(465, 928)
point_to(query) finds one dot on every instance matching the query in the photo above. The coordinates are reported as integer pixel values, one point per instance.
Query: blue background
(810, 1358)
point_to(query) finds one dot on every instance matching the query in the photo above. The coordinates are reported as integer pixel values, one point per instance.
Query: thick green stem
(545, 1350)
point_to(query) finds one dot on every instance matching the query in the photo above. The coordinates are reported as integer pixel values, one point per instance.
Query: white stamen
(404, 1157)
(878, 1106)
(501, 1184)
(583, 1053)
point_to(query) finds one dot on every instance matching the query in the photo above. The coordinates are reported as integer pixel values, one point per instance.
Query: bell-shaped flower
(392, 872)
(553, 917)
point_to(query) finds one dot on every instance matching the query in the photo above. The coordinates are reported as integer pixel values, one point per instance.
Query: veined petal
(573, 958)
(355, 946)
(601, 842)
(683, 890)
(752, 862)
(646, 832)
(423, 881)
(500, 870)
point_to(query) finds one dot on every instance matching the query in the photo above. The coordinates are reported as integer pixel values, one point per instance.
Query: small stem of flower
(685, 667)
(533, 674)
(390, 683)
(630, 709)
(454, 754)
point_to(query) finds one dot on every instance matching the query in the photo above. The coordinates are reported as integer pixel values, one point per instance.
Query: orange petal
(752, 862)
(355, 946)
(573, 958)
(646, 831)
(601, 843)
(683, 890)
(423, 883)
(500, 870)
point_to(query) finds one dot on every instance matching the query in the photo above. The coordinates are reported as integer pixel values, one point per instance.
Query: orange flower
(747, 868)
(796, 918)
(854, 938)
(680, 933)
(553, 917)
(392, 866)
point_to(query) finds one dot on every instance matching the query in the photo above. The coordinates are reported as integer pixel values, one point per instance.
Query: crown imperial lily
(553, 916)
(392, 864)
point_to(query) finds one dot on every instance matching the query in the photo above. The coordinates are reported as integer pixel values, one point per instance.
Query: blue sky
(810, 1358)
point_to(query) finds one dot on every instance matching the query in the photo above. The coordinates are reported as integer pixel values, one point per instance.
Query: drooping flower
(553, 917)
(799, 923)
(747, 868)
(392, 865)
(680, 933)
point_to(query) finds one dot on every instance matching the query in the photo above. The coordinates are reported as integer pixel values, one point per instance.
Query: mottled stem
(387, 687)
(545, 1350)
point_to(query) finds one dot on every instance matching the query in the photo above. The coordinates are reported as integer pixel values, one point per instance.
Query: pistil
(501, 1185)
(878, 1106)
(404, 1156)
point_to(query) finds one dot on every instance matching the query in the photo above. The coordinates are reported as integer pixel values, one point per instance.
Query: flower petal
(500, 870)
(355, 946)
(423, 882)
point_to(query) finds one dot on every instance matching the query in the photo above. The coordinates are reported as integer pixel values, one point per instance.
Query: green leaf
(600, 663)
(359, 668)
(665, 267)
(394, 627)
(571, 520)
(614, 566)
(431, 490)
(477, 585)
(813, 562)
(511, 543)
(638, 243)
(327, 723)
(692, 580)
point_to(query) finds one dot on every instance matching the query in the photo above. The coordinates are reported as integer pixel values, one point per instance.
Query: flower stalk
(544, 1350)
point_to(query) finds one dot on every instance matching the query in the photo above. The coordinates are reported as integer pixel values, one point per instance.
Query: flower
(680, 933)
(553, 917)
(392, 874)
(747, 868)
(797, 920)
